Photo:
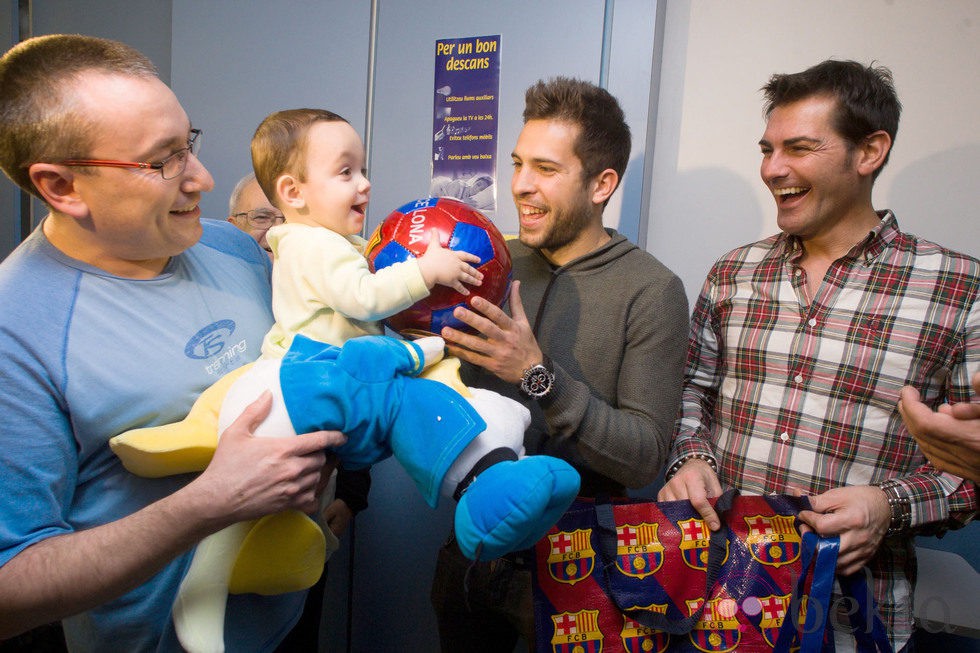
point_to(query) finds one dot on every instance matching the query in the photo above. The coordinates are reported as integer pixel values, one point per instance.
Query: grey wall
(535, 44)
(234, 63)
(112, 19)
(9, 196)
(317, 54)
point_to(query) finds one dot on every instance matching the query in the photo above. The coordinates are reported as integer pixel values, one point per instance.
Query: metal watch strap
(900, 506)
(683, 459)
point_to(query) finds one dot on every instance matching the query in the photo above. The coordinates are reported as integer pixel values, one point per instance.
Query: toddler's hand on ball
(447, 267)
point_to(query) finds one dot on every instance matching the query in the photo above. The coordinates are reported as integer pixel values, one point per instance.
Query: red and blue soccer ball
(405, 233)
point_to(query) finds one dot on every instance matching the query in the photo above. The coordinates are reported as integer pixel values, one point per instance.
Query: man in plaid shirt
(801, 343)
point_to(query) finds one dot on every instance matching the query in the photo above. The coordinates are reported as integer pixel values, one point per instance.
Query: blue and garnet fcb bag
(643, 576)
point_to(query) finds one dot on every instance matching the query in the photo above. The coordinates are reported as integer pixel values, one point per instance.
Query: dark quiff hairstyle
(279, 146)
(39, 116)
(604, 141)
(866, 97)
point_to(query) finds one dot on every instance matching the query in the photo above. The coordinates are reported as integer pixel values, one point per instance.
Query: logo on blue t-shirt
(210, 340)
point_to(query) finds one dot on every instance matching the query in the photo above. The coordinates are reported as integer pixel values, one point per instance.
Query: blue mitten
(512, 504)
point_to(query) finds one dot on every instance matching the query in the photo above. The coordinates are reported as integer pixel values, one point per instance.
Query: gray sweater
(615, 325)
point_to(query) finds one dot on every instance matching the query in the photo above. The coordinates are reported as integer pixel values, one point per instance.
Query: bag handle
(717, 546)
(856, 587)
(819, 561)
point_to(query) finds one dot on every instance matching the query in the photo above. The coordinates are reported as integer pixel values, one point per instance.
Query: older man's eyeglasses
(171, 167)
(261, 218)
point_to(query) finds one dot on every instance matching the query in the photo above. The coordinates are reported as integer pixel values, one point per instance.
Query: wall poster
(464, 128)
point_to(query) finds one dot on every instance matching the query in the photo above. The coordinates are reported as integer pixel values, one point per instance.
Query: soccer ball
(404, 234)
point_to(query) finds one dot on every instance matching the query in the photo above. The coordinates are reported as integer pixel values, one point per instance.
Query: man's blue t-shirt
(85, 355)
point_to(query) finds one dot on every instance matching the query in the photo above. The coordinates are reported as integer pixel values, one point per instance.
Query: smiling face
(812, 171)
(554, 203)
(335, 192)
(134, 220)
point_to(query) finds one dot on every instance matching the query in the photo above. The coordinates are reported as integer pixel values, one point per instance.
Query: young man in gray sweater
(593, 344)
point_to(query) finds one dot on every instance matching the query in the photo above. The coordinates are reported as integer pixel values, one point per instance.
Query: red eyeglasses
(171, 167)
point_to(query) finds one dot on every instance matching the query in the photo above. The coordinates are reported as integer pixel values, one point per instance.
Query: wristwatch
(537, 381)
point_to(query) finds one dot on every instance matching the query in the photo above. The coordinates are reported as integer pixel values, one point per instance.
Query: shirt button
(784, 436)
(798, 378)
(812, 321)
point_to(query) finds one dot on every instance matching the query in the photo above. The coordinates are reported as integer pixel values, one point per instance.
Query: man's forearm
(67, 574)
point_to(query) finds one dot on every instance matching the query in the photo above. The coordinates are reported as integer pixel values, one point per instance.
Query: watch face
(537, 382)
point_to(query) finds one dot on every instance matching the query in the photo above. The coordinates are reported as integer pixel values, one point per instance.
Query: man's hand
(949, 437)
(250, 477)
(326, 473)
(337, 516)
(697, 482)
(506, 345)
(859, 514)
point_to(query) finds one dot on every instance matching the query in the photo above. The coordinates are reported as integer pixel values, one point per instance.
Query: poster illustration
(464, 127)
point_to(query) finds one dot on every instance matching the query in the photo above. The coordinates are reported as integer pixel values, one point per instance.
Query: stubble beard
(565, 226)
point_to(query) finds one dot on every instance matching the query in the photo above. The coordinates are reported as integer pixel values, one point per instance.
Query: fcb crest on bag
(717, 630)
(774, 540)
(638, 551)
(572, 557)
(695, 538)
(770, 624)
(638, 638)
(577, 632)
(773, 609)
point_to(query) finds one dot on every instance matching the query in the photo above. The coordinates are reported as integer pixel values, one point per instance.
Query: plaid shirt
(787, 393)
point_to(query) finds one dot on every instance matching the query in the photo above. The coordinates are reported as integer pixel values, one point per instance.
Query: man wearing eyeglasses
(117, 311)
(250, 210)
